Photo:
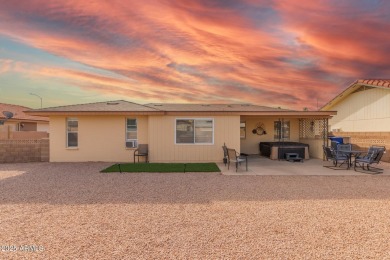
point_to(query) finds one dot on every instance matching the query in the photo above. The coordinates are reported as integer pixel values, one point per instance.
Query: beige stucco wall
(364, 111)
(162, 145)
(315, 147)
(8, 126)
(28, 126)
(100, 138)
(8, 131)
(43, 126)
(250, 144)
(5, 131)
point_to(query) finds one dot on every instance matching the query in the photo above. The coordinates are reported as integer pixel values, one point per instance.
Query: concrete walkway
(258, 165)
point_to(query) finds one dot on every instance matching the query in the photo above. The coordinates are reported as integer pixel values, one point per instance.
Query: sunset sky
(287, 53)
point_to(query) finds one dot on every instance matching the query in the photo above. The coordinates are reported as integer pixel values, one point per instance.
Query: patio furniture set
(340, 154)
(343, 154)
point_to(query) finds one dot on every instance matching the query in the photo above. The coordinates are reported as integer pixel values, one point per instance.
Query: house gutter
(286, 114)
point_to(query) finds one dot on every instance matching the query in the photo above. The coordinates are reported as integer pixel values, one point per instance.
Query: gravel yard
(71, 210)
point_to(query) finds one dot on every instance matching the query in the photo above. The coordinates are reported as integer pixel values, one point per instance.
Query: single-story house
(110, 131)
(21, 125)
(363, 113)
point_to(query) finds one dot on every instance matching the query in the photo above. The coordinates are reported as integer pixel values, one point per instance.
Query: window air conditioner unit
(131, 144)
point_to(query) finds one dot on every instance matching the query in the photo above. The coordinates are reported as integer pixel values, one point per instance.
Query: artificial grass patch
(163, 167)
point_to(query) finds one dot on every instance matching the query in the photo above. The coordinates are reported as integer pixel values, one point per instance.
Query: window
(131, 133)
(194, 131)
(72, 128)
(243, 130)
(282, 130)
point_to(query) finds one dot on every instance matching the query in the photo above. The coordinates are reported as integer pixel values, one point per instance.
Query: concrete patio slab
(258, 165)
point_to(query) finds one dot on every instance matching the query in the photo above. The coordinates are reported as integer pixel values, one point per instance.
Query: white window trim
(130, 140)
(67, 132)
(194, 118)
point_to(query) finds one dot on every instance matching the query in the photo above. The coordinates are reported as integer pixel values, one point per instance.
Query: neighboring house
(110, 131)
(363, 113)
(363, 107)
(21, 125)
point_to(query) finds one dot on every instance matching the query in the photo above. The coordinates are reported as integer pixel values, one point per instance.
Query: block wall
(363, 140)
(16, 151)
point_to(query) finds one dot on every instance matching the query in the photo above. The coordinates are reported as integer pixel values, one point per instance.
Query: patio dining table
(352, 153)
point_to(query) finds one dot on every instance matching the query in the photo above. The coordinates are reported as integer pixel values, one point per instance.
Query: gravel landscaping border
(72, 211)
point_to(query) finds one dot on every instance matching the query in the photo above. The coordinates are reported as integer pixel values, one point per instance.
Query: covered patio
(258, 165)
(305, 127)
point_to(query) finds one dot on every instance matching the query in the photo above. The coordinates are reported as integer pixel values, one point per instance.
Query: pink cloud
(332, 32)
(5, 65)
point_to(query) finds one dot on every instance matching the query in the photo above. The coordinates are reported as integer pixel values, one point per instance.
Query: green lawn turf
(163, 167)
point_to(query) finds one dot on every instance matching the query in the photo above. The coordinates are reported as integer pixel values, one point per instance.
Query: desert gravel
(72, 211)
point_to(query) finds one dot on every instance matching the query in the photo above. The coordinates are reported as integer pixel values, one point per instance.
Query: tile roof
(375, 82)
(19, 114)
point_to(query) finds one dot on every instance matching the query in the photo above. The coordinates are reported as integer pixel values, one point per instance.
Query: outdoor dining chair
(234, 157)
(373, 156)
(328, 153)
(333, 145)
(335, 156)
(142, 151)
(344, 147)
(225, 154)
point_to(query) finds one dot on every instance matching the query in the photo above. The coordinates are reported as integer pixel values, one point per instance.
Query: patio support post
(281, 138)
(325, 136)
(280, 135)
